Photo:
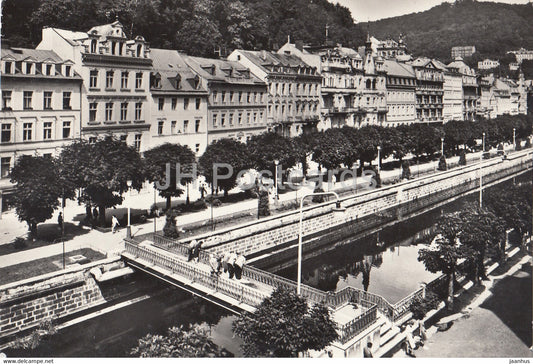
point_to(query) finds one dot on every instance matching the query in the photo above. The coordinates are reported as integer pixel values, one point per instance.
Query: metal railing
(351, 329)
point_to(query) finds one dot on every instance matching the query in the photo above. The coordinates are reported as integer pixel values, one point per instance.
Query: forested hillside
(493, 28)
(195, 26)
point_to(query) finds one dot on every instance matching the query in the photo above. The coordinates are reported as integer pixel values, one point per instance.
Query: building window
(47, 130)
(240, 118)
(92, 111)
(66, 101)
(27, 129)
(197, 148)
(6, 100)
(248, 98)
(92, 140)
(185, 126)
(223, 96)
(198, 103)
(124, 80)
(160, 126)
(109, 79)
(173, 127)
(231, 96)
(137, 142)
(27, 99)
(67, 71)
(5, 167)
(138, 80)
(66, 129)
(197, 126)
(108, 111)
(160, 103)
(230, 119)
(124, 111)
(174, 103)
(214, 120)
(8, 67)
(93, 79)
(255, 117)
(247, 118)
(48, 70)
(215, 96)
(222, 120)
(185, 103)
(28, 68)
(93, 46)
(240, 96)
(47, 100)
(6, 133)
(138, 110)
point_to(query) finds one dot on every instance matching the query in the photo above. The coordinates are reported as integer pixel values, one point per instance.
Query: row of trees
(101, 170)
(464, 239)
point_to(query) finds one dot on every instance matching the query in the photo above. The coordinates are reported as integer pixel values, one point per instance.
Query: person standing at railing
(225, 259)
(214, 263)
(191, 247)
(231, 264)
(239, 263)
(196, 251)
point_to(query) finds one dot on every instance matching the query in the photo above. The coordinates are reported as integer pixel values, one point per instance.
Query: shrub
(518, 144)
(199, 205)
(263, 207)
(318, 199)
(170, 229)
(528, 143)
(420, 306)
(19, 243)
(406, 170)
(216, 202)
(462, 158)
(442, 164)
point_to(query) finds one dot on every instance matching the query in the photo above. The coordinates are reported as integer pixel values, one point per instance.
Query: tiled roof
(170, 64)
(225, 71)
(38, 55)
(264, 59)
(398, 69)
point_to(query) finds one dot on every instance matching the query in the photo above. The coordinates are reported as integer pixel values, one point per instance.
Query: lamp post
(337, 208)
(276, 162)
(441, 146)
(155, 213)
(379, 159)
(128, 228)
(514, 138)
(481, 174)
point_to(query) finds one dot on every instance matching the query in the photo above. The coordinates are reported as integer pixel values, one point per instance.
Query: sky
(365, 10)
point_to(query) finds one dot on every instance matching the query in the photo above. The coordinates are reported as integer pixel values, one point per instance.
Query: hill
(493, 28)
(195, 26)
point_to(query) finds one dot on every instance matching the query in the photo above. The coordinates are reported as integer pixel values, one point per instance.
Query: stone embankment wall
(25, 304)
(364, 211)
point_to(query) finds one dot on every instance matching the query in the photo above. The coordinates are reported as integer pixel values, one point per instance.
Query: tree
(283, 325)
(155, 161)
(37, 189)
(332, 149)
(170, 229)
(267, 147)
(224, 151)
(102, 170)
(179, 342)
(444, 251)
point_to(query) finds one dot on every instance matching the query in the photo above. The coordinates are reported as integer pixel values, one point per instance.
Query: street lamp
(514, 138)
(379, 160)
(441, 146)
(336, 208)
(128, 228)
(276, 162)
(481, 175)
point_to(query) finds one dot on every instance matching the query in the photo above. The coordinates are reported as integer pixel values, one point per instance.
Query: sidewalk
(109, 243)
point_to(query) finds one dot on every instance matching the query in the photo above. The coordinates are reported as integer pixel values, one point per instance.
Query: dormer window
(93, 46)
(48, 70)
(67, 71)
(139, 50)
(113, 47)
(196, 82)
(29, 68)
(8, 67)
(120, 48)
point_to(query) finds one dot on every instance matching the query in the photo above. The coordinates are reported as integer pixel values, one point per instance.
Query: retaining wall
(25, 304)
(364, 211)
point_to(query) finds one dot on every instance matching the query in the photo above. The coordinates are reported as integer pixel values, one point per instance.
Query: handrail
(351, 329)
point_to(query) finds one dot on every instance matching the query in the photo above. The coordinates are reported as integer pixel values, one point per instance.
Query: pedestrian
(114, 224)
(88, 215)
(213, 263)
(239, 263)
(191, 247)
(60, 220)
(95, 214)
(225, 259)
(367, 351)
(231, 264)
(196, 253)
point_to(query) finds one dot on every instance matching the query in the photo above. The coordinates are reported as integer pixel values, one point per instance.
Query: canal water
(384, 263)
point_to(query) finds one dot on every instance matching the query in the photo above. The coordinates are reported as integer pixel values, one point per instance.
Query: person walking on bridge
(239, 263)
(231, 264)
(191, 247)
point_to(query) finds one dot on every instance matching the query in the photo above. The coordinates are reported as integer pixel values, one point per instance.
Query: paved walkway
(497, 323)
(11, 227)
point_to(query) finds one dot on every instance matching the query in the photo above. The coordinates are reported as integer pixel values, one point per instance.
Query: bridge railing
(351, 329)
(232, 289)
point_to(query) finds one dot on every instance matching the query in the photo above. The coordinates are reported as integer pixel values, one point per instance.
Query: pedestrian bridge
(353, 309)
